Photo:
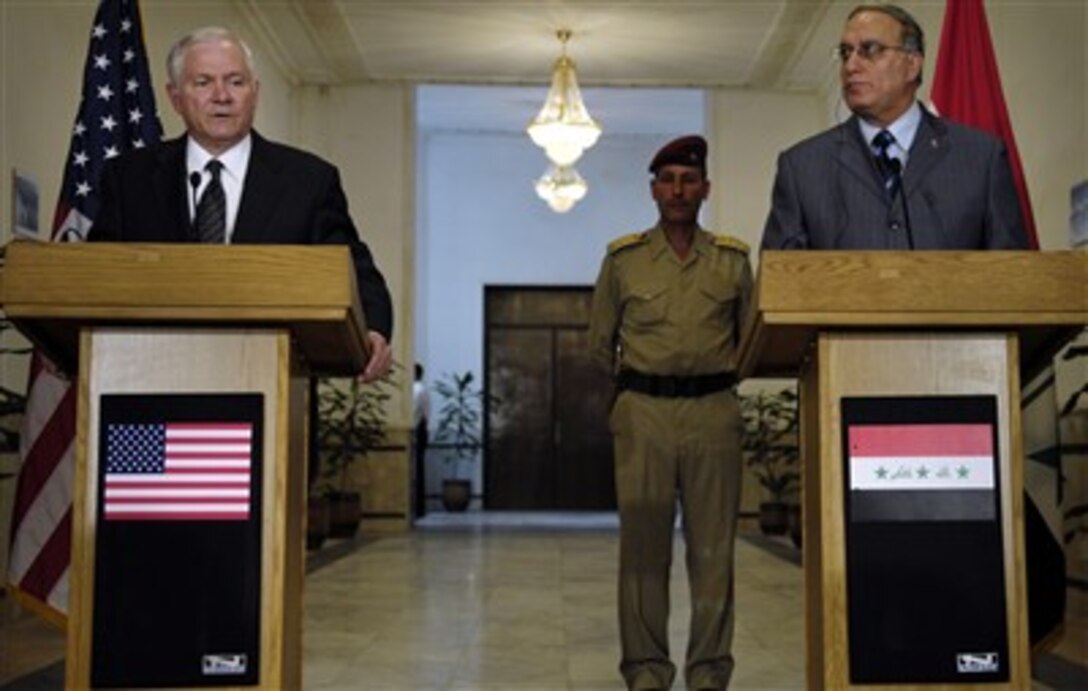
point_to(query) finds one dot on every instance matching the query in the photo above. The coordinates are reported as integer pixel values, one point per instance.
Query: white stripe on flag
(921, 472)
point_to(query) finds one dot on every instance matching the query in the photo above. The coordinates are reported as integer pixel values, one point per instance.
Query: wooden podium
(921, 342)
(188, 335)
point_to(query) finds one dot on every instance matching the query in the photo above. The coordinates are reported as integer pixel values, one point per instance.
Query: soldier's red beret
(685, 151)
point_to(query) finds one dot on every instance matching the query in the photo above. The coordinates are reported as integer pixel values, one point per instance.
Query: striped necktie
(885, 163)
(211, 211)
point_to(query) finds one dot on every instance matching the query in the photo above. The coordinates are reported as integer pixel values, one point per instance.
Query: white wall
(483, 224)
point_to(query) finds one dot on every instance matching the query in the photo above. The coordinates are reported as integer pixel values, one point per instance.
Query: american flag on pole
(967, 88)
(116, 113)
(178, 472)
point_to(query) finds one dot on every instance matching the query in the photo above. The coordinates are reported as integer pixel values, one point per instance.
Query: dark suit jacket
(288, 197)
(957, 183)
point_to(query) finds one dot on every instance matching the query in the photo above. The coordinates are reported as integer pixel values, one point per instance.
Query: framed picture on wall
(24, 205)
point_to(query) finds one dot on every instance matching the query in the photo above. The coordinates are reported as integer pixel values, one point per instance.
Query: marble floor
(512, 601)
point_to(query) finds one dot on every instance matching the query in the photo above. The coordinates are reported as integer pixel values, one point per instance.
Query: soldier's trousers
(669, 450)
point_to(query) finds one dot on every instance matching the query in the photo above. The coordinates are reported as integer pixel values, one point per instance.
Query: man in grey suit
(893, 176)
(264, 192)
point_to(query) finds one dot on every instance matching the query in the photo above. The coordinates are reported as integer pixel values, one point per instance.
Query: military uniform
(668, 328)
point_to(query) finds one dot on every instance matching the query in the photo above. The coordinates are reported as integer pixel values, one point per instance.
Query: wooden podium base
(903, 365)
(148, 363)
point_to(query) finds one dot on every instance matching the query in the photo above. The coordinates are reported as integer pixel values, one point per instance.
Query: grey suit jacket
(957, 186)
(288, 197)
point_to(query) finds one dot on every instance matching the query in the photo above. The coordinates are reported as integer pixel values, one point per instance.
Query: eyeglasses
(866, 50)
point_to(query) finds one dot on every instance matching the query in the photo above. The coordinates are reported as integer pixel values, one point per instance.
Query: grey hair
(914, 39)
(175, 59)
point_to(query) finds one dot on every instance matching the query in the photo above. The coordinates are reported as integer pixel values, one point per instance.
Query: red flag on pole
(967, 88)
(116, 113)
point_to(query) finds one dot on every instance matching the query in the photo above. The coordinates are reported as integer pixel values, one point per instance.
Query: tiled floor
(508, 601)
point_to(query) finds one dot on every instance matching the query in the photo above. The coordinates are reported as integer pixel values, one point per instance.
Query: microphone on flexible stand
(896, 168)
(194, 182)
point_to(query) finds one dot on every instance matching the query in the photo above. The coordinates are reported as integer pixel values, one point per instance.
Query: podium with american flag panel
(192, 364)
(909, 367)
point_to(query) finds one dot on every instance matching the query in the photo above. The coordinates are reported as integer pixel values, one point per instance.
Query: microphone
(194, 182)
(896, 167)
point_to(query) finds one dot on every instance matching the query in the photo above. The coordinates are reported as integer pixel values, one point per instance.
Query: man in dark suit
(893, 176)
(223, 182)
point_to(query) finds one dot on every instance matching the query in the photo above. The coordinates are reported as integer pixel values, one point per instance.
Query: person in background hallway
(665, 319)
(260, 191)
(893, 176)
(421, 413)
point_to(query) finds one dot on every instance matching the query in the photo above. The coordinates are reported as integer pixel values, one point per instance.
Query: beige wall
(748, 129)
(367, 132)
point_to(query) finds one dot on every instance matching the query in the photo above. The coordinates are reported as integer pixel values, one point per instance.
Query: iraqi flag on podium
(967, 88)
(116, 114)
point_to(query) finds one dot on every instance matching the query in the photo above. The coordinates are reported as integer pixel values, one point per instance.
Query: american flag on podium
(177, 471)
(116, 114)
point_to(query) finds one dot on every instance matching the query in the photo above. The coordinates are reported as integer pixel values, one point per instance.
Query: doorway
(546, 423)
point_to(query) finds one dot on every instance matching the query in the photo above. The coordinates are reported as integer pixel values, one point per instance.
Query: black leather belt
(667, 386)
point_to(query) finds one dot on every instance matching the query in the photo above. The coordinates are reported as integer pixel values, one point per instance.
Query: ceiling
(765, 44)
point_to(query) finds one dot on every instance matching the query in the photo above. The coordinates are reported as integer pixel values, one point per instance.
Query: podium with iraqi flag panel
(909, 367)
(192, 364)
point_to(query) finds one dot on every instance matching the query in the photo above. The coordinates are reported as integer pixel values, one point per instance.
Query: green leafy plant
(460, 421)
(350, 422)
(770, 442)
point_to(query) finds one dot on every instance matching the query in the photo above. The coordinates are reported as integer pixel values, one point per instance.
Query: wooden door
(548, 444)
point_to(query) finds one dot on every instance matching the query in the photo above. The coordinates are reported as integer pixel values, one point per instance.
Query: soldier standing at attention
(666, 317)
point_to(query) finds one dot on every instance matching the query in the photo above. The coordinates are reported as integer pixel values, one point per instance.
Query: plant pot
(317, 521)
(772, 518)
(796, 524)
(345, 514)
(456, 494)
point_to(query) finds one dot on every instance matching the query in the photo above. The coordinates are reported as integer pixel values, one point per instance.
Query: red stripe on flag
(208, 427)
(967, 88)
(920, 440)
(159, 516)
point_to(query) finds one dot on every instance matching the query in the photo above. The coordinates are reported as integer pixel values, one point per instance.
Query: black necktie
(211, 212)
(888, 166)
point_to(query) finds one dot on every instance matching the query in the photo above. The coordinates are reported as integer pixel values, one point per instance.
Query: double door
(548, 443)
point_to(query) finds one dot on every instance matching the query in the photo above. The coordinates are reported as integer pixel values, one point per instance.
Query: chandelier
(561, 187)
(563, 127)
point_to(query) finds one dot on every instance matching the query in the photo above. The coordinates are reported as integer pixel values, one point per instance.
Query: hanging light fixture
(563, 128)
(562, 187)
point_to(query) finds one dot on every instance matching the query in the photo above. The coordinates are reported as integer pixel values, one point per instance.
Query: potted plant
(350, 422)
(459, 435)
(770, 448)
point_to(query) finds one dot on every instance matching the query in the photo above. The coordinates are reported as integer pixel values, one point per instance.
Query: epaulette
(626, 241)
(732, 243)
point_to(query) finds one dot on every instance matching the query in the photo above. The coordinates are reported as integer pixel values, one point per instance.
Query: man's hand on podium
(381, 357)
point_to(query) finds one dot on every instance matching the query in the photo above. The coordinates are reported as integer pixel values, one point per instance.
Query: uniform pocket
(646, 304)
(714, 296)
